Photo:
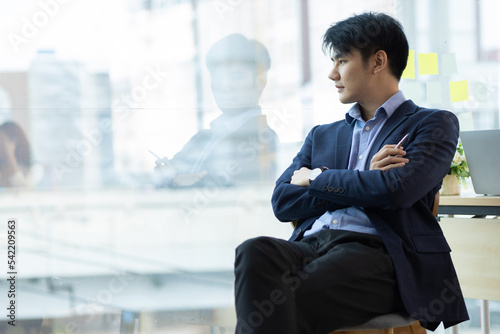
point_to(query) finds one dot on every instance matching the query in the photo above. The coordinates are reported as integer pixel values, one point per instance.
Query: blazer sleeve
(430, 149)
(291, 202)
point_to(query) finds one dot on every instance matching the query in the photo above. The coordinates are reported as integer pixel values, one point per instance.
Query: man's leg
(326, 281)
(265, 284)
(351, 281)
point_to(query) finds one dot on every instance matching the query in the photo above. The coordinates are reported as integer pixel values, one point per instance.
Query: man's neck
(369, 108)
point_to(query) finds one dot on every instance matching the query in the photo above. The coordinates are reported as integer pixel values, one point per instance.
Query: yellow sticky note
(409, 72)
(459, 91)
(428, 63)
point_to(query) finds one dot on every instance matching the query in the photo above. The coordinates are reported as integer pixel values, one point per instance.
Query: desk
(474, 243)
(463, 205)
(475, 246)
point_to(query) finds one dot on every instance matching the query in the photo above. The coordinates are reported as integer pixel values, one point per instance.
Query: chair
(392, 323)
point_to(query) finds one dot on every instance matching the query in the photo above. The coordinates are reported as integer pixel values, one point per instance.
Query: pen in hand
(159, 161)
(401, 142)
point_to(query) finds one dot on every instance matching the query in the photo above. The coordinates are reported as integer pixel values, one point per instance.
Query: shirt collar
(389, 107)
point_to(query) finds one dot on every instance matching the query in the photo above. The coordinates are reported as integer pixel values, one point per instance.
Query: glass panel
(154, 146)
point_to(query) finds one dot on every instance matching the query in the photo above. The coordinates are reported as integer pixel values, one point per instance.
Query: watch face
(314, 173)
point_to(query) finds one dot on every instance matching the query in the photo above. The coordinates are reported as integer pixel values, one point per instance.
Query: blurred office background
(108, 246)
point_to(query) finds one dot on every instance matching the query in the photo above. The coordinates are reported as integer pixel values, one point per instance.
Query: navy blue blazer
(398, 202)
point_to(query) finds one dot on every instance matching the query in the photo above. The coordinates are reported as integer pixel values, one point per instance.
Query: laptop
(482, 151)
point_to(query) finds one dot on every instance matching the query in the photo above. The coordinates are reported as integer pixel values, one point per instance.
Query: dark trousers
(323, 282)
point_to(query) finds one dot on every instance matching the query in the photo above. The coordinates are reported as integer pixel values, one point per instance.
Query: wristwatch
(315, 172)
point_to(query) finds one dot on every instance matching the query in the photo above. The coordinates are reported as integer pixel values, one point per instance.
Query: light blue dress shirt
(364, 135)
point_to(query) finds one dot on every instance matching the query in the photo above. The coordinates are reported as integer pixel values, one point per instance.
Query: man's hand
(164, 171)
(388, 157)
(186, 180)
(169, 175)
(301, 177)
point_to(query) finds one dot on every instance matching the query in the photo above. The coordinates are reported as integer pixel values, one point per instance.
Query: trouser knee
(252, 255)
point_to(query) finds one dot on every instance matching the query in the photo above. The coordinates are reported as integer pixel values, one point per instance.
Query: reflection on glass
(15, 156)
(239, 145)
(90, 221)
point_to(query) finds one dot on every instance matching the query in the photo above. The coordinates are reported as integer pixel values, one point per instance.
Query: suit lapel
(400, 115)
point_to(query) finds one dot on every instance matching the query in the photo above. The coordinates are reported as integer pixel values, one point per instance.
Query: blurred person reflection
(239, 146)
(15, 156)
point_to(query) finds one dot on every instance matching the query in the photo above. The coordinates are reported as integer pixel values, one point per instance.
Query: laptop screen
(482, 152)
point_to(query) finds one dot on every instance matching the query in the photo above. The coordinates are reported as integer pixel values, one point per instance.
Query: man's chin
(345, 100)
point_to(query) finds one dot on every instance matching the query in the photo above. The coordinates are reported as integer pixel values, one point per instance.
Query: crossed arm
(396, 178)
(388, 157)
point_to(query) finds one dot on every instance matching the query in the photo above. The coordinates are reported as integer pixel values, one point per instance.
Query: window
(109, 239)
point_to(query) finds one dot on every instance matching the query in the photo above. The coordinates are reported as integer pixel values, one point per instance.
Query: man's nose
(334, 74)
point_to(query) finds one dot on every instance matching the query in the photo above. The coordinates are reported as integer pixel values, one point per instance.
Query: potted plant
(458, 173)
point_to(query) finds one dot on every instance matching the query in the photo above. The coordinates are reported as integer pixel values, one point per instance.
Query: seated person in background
(15, 156)
(365, 241)
(239, 146)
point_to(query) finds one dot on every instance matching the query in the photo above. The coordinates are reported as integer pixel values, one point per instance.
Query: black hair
(238, 49)
(369, 33)
(16, 134)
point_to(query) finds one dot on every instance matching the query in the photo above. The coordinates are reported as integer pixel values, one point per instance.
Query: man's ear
(261, 80)
(380, 61)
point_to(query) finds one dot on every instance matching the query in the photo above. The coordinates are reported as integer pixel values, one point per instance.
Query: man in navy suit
(365, 241)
